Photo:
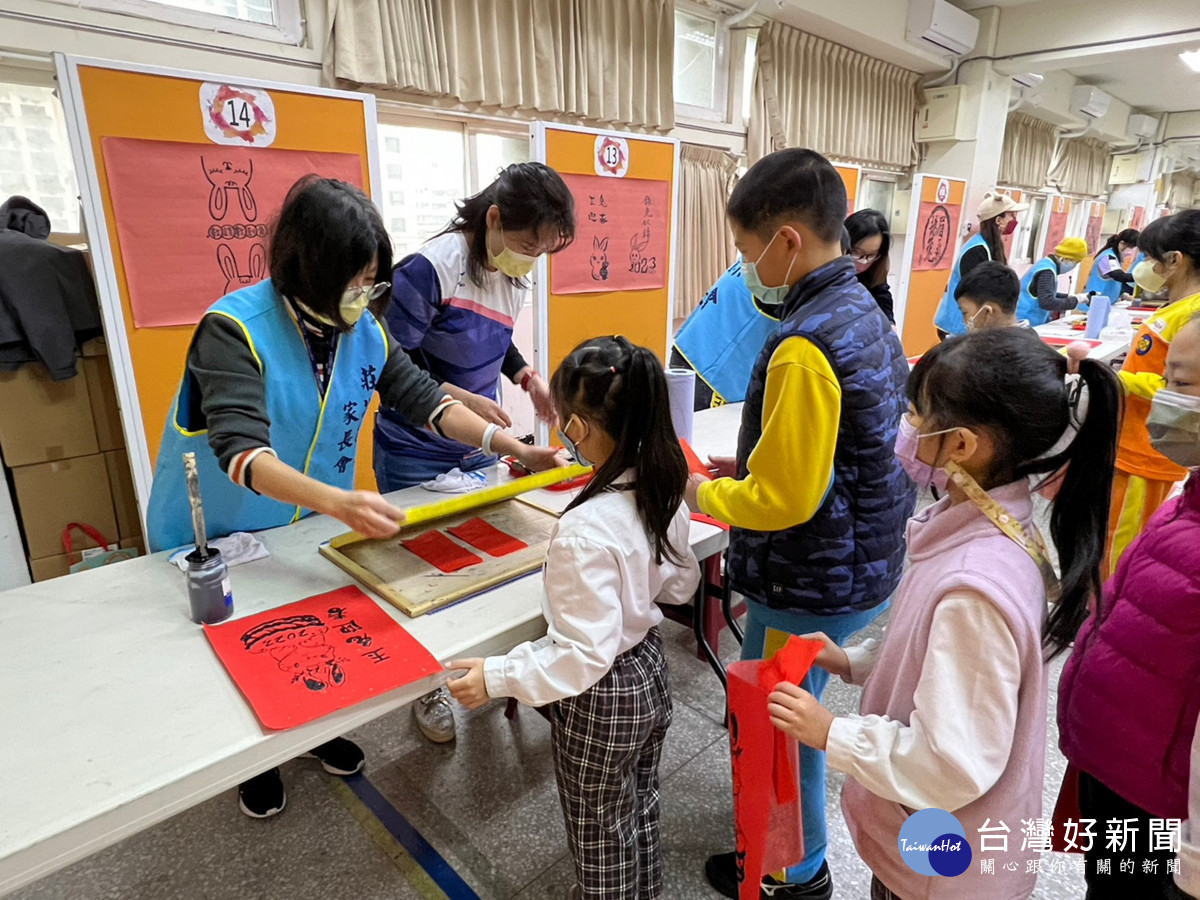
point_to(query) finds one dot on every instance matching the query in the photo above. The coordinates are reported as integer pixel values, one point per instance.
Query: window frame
(719, 111)
(287, 29)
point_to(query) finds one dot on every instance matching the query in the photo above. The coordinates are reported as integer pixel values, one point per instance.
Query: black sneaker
(721, 872)
(262, 796)
(339, 757)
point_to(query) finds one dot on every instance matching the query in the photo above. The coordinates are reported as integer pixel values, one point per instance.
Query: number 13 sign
(242, 117)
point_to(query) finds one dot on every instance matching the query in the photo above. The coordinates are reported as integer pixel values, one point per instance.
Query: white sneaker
(435, 717)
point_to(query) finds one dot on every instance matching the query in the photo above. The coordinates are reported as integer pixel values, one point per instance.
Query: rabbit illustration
(225, 176)
(234, 279)
(599, 259)
(637, 244)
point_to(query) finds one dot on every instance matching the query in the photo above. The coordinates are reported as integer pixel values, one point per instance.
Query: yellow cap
(1073, 249)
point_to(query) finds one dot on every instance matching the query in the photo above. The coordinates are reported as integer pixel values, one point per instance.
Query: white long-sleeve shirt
(602, 586)
(1188, 877)
(958, 739)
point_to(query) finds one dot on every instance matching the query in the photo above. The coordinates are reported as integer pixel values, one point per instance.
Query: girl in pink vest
(1130, 693)
(953, 710)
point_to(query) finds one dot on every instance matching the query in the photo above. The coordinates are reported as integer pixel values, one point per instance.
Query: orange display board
(851, 177)
(932, 249)
(171, 107)
(643, 316)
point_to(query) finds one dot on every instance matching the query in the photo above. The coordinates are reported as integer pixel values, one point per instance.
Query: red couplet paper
(1094, 226)
(621, 231)
(307, 659)
(695, 466)
(193, 219)
(937, 225)
(487, 537)
(1056, 230)
(766, 766)
(441, 552)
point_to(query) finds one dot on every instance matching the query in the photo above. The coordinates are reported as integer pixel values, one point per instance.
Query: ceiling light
(1191, 59)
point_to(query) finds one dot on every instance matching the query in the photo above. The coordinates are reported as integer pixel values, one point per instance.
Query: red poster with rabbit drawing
(621, 233)
(305, 660)
(193, 219)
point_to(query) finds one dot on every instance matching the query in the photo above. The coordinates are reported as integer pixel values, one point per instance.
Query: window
(35, 155)
(878, 194)
(272, 20)
(1029, 225)
(749, 67)
(701, 64)
(494, 152)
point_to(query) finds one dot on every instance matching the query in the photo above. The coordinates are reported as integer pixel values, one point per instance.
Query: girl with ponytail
(620, 549)
(953, 710)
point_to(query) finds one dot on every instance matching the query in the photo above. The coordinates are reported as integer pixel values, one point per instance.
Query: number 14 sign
(241, 117)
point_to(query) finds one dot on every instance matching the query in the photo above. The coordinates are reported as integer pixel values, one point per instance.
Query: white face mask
(1174, 426)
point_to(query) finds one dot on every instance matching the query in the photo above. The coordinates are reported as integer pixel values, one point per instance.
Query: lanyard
(1008, 524)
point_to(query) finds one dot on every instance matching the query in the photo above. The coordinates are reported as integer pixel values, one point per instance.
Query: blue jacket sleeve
(416, 300)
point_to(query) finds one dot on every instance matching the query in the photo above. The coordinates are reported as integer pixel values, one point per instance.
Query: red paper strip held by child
(487, 537)
(307, 659)
(766, 766)
(441, 552)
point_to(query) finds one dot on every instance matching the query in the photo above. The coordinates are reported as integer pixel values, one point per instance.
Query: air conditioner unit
(1141, 126)
(1089, 101)
(938, 26)
(1029, 79)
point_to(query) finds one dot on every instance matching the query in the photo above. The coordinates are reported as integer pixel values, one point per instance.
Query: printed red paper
(621, 231)
(695, 466)
(441, 552)
(193, 219)
(766, 766)
(937, 225)
(307, 659)
(1094, 226)
(487, 537)
(1056, 230)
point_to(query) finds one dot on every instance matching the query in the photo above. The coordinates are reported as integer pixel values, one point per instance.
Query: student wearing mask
(997, 215)
(870, 244)
(987, 297)
(1108, 276)
(1039, 288)
(454, 304)
(277, 378)
(1145, 477)
(817, 501)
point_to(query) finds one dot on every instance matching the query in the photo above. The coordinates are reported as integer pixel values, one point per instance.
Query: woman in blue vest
(1108, 274)
(997, 217)
(276, 384)
(1039, 288)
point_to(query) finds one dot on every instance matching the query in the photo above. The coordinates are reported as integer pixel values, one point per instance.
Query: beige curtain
(832, 99)
(705, 242)
(1028, 152)
(1181, 191)
(1081, 166)
(605, 62)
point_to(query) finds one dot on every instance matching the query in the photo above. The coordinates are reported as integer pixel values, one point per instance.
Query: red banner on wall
(305, 660)
(1056, 228)
(193, 219)
(937, 224)
(1094, 227)
(621, 231)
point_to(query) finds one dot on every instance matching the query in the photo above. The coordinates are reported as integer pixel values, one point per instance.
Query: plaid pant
(606, 744)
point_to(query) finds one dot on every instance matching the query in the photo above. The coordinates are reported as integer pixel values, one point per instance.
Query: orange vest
(1135, 456)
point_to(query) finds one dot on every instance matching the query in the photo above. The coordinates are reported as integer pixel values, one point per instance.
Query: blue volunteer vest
(1098, 284)
(722, 337)
(1028, 307)
(948, 316)
(314, 435)
(850, 554)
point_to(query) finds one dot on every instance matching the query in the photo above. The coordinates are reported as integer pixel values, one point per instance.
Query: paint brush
(193, 489)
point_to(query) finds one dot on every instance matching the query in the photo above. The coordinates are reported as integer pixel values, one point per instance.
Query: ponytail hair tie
(613, 369)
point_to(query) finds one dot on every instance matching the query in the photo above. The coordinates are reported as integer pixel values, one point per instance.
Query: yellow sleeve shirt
(790, 469)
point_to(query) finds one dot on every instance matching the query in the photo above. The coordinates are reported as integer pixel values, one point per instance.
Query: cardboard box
(43, 420)
(106, 413)
(135, 543)
(120, 483)
(51, 495)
